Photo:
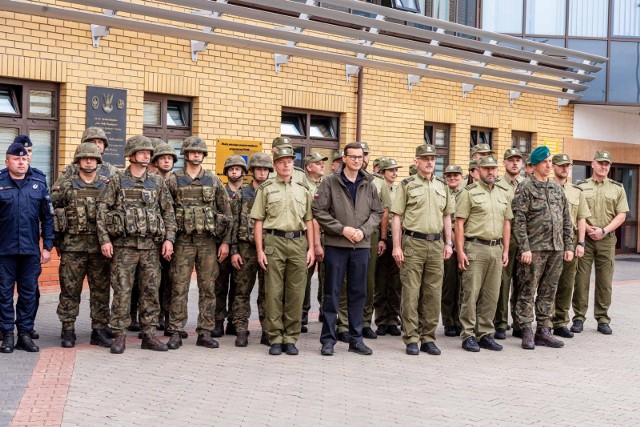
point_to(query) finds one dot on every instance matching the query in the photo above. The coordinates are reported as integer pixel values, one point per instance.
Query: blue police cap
(539, 154)
(24, 140)
(17, 149)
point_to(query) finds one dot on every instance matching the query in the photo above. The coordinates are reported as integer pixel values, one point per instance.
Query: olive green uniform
(421, 203)
(450, 304)
(578, 209)
(284, 207)
(606, 199)
(484, 210)
(306, 305)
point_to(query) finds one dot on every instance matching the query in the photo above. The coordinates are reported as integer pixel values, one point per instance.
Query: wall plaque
(107, 109)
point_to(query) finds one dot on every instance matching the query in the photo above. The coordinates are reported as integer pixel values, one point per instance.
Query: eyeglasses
(355, 158)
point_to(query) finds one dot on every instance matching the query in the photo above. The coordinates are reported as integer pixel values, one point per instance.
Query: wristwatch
(449, 244)
(583, 244)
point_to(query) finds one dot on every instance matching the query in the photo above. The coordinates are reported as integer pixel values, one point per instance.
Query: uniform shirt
(542, 221)
(297, 175)
(455, 193)
(422, 202)
(284, 206)
(484, 210)
(393, 192)
(508, 185)
(578, 207)
(383, 190)
(606, 199)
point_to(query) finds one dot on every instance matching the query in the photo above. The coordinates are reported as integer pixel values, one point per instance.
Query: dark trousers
(353, 263)
(23, 270)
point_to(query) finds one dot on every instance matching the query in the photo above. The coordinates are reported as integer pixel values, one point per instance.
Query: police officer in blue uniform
(26, 214)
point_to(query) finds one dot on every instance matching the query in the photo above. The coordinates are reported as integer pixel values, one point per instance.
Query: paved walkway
(592, 381)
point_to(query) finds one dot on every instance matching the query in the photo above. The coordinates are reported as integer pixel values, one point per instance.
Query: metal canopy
(425, 47)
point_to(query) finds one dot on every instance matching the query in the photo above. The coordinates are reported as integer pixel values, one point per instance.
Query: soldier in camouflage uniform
(97, 136)
(133, 210)
(203, 213)
(543, 230)
(74, 201)
(243, 253)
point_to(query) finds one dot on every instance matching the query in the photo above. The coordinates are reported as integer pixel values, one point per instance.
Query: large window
(588, 18)
(521, 141)
(624, 81)
(481, 136)
(168, 118)
(598, 87)
(311, 132)
(31, 108)
(545, 17)
(437, 134)
(502, 16)
(626, 18)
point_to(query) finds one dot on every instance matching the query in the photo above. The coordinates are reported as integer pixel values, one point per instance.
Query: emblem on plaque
(108, 102)
(120, 104)
(95, 103)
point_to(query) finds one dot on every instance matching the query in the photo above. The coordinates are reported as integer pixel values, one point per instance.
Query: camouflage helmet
(95, 133)
(137, 143)
(194, 143)
(234, 160)
(261, 160)
(162, 149)
(87, 150)
(156, 141)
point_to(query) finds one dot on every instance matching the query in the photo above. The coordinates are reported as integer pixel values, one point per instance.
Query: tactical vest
(196, 206)
(246, 223)
(80, 211)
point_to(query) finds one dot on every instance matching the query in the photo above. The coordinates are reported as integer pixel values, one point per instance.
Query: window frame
(441, 152)
(515, 134)
(307, 142)
(480, 129)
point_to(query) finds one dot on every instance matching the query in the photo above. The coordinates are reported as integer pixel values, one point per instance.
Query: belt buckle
(493, 242)
(289, 234)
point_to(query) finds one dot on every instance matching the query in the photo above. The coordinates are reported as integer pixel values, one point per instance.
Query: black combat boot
(25, 343)
(241, 339)
(218, 329)
(205, 340)
(101, 338)
(150, 342)
(118, 345)
(231, 329)
(7, 345)
(68, 338)
(134, 326)
(175, 342)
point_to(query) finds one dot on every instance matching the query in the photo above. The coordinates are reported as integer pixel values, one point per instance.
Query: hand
(223, 251)
(526, 257)
(595, 233)
(262, 260)
(311, 258)
(358, 236)
(398, 256)
(447, 252)
(352, 234)
(319, 252)
(579, 251)
(505, 258)
(463, 260)
(107, 250)
(236, 261)
(45, 257)
(167, 250)
(382, 246)
(568, 256)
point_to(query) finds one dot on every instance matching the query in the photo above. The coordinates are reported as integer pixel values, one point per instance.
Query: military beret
(561, 159)
(17, 149)
(314, 157)
(425, 150)
(453, 169)
(24, 140)
(602, 156)
(512, 152)
(487, 162)
(539, 154)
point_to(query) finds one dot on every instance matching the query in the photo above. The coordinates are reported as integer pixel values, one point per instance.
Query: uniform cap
(281, 140)
(388, 163)
(602, 156)
(413, 169)
(561, 159)
(425, 150)
(314, 157)
(24, 140)
(473, 164)
(16, 149)
(481, 148)
(365, 147)
(378, 161)
(337, 155)
(487, 162)
(539, 154)
(512, 152)
(453, 169)
(283, 151)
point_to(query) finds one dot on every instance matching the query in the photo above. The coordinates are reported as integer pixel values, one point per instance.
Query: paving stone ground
(593, 380)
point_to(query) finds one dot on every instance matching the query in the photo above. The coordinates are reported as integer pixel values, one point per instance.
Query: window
(406, 5)
(597, 87)
(502, 16)
(481, 136)
(588, 18)
(311, 132)
(437, 134)
(168, 118)
(31, 108)
(624, 80)
(626, 18)
(521, 141)
(545, 17)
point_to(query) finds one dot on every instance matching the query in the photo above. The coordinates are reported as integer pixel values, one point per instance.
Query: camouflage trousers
(206, 263)
(124, 264)
(225, 289)
(74, 267)
(245, 280)
(541, 278)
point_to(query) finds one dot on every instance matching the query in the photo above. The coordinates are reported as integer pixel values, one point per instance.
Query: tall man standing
(423, 206)
(608, 204)
(542, 226)
(348, 209)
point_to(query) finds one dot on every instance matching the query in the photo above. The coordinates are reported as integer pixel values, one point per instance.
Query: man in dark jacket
(348, 208)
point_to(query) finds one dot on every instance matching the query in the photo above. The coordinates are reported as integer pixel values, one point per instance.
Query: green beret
(539, 154)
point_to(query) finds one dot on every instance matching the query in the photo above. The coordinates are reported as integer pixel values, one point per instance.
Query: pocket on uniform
(409, 252)
(269, 250)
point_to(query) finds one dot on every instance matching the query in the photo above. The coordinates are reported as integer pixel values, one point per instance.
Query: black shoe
(369, 333)
(205, 340)
(218, 329)
(430, 348)
(304, 329)
(381, 331)
(501, 334)
(449, 331)
(412, 349)
(7, 342)
(360, 348)
(68, 339)
(290, 349)
(134, 326)
(393, 330)
(275, 350)
(25, 343)
(151, 342)
(101, 338)
(488, 343)
(604, 328)
(327, 349)
(470, 344)
(458, 331)
(517, 333)
(344, 337)
(231, 329)
(577, 326)
(175, 342)
(119, 344)
(242, 339)
(264, 338)
(305, 318)
(563, 332)
(34, 334)
(109, 332)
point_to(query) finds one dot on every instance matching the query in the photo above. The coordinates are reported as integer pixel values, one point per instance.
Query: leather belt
(496, 242)
(415, 234)
(286, 234)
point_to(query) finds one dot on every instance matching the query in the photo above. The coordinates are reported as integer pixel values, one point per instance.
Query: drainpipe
(359, 106)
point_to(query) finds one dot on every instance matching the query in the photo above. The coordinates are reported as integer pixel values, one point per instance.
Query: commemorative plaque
(107, 108)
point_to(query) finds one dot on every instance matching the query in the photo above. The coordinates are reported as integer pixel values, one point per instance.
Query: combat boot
(544, 337)
(264, 338)
(7, 342)
(527, 339)
(25, 343)
(68, 338)
(175, 342)
(205, 340)
(101, 338)
(118, 345)
(218, 329)
(231, 329)
(150, 342)
(241, 339)
(134, 326)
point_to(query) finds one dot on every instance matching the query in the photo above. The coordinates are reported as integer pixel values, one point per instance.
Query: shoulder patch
(304, 184)
(576, 186)
(407, 180)
(616, 183)
(471, 186)
(582, 181)
(266, 183)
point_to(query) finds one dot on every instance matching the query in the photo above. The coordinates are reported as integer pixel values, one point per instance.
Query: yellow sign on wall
(553, 145)
(229, 147)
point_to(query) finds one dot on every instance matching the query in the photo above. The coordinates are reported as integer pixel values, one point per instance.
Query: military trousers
(421, 277)
(164, 292)
(538, 284)
(509, 282)
(245, 281)
(600, 253)
(451, 289)
(285, 281)
(21, 271)
(388, 290)
(306, 303)
(204, 258)
(225, 288)
(480, 289)
(564, 293)
(74, 267)
(124, 264)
